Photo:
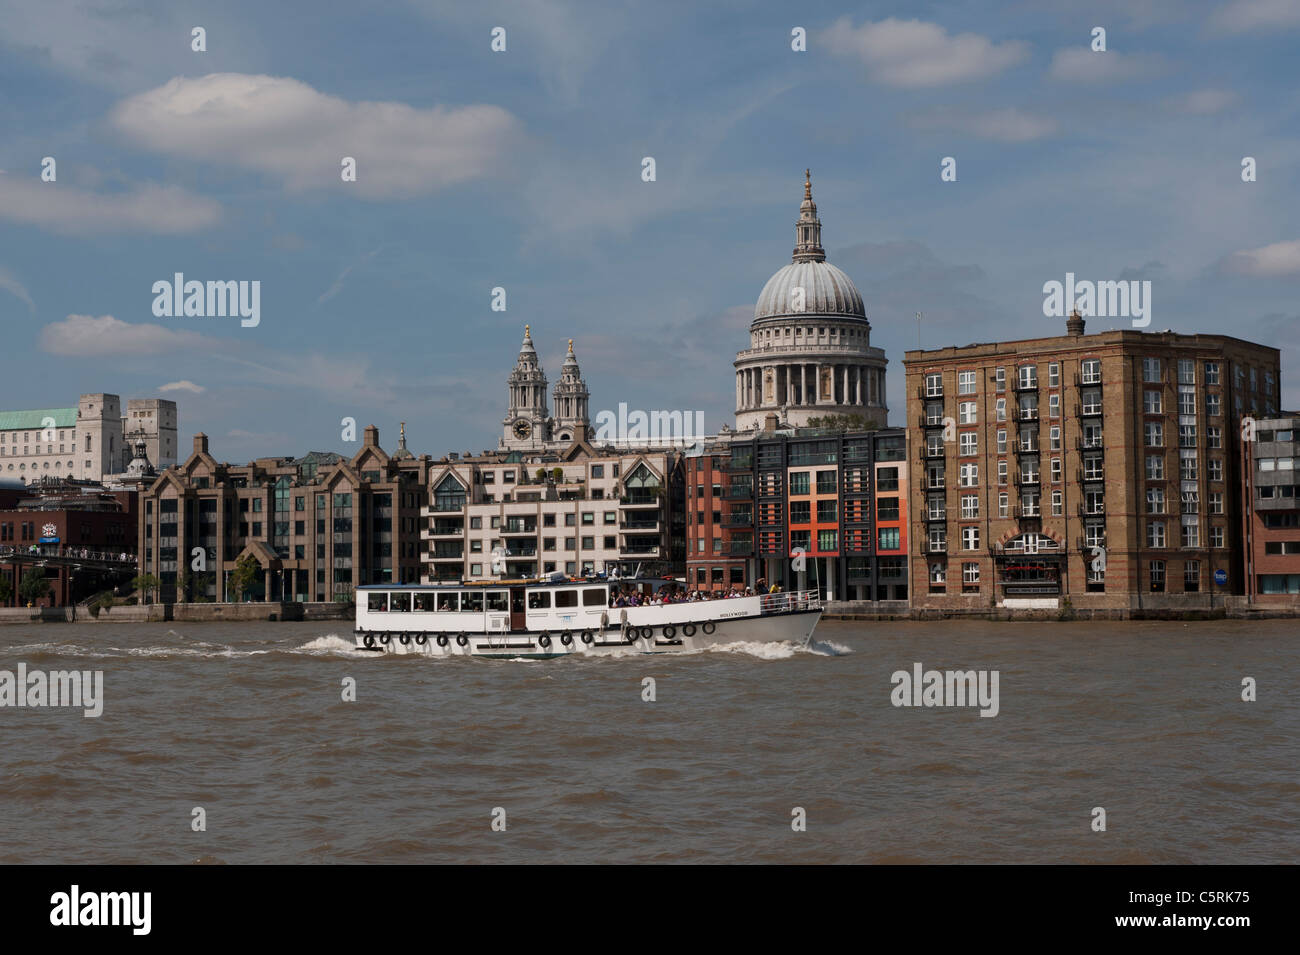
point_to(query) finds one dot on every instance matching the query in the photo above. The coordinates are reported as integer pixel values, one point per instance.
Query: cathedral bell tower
(571, 401)
(526, 422)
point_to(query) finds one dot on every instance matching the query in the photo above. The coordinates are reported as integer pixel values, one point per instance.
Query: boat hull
(791, 627)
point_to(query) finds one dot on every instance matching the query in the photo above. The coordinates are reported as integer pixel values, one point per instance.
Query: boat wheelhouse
(555, 617)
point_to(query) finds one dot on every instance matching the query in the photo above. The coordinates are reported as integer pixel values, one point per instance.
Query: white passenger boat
(551, 618)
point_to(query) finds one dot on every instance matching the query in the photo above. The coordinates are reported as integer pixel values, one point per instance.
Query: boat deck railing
(783, 602)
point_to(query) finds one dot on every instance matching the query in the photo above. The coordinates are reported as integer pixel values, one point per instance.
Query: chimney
(201, 443)
(770, 421)
(371, 439)
(1074, 324)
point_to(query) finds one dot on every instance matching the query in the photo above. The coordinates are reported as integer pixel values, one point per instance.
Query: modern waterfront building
(1101, 468)
(317, 525)
(803, 509)
(91, 442)
(582, 510)
(1271, 510)
(810, 352)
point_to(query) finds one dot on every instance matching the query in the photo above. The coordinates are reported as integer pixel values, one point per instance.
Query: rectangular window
(970, 573)
(1090, 371)
(1152, 370)
(1002, 441)
(1155, 500)
(1156, 535)
(1216, 537)
(1000, 379)
(1054, 437)
(1002, 472)
(1155, 467)
(970, 538)
(799, 482)
(969, 443)
(1028, 376)
(1216, 502)
(1058, 505)
(1054, 405)
(1151, 403)
(1211, 372)
(1154, 432)
(1191, 535)
(970, 506)
(1216, 469)
(934, 386)
(969, 475)
(1212, 406)
(1001, 409)
(1156, 569)
(1056, 470)
(966, 412)
(966, 383)
(1187, 466)
(1054, 375)
(1003, 505)
(887, 538)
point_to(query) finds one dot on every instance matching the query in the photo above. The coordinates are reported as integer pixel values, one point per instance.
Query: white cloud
(1269, 261)
(88, 336)
(283, 128)
(183, 385)
(911, 53)
(9, 282)
(1080, 64)
(1205, 102)
(1245, 16)
(59, 207)
(1009, 125)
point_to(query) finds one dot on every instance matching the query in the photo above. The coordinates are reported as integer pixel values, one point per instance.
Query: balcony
(1087, 411)
(1021, 386)
(1081, 382)
(1086, 546)
(521, 551)
(931, 453)
(925, 391)
(1033, 512)
(1028, 447)
(740, 548)
(515, 527)
(641, 500)
(739, 492)
(929, 548)
(738, 519)
(641, 550)
(938, 516)
(640, 524)
(446, 529)
(445, 507)
(1026, 414)
(447, 553)
(1094, 445)
(1028, 479)
(1096, 510)
(932, 484)
(928, 421)
(1095, 476)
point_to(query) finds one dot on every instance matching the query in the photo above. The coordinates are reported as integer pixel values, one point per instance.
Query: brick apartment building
(838, 497)
(1101, 468)
(1271, 515)
(318, 525)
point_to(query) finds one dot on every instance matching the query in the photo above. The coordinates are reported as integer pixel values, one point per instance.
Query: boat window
(498, 600)
(401, 602)
(593, 597)
(566, 598)
(422, 602)
(471, 602)
(377, 603)
(447, 603)
(539, 600)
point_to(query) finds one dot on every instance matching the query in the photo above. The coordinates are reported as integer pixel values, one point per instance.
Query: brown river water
(247, 721)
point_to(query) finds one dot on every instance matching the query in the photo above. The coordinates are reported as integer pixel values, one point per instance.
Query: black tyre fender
(630, 636)
(544, 640)
(442, 639)
(385, 639)
(709, 626)
(689, 630)
(669, 631)
(566, 638)
(587, 637)
(404, 639)
(421, 639)
(370, 640)
(461, 639)
(647, 633)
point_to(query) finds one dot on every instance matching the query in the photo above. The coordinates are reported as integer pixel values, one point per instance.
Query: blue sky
(522, 169)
